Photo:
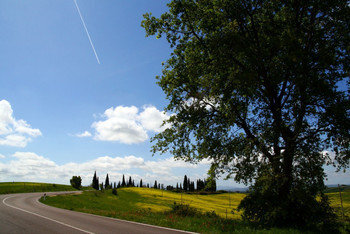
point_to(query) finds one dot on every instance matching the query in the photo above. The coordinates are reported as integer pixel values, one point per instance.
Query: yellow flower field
(158, 200)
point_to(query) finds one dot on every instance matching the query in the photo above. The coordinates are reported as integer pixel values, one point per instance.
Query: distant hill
(334, 188)
(232, 189)
(331, 188)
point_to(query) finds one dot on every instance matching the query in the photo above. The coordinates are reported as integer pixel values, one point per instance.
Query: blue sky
(50, 78)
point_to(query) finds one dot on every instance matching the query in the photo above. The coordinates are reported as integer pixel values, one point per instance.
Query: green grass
(334, 199)
(153, 206)
(28, 187)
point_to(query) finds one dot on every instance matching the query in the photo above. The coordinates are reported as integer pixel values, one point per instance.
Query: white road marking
(53, 220)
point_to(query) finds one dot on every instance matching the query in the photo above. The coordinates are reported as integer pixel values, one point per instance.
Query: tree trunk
(287, 175)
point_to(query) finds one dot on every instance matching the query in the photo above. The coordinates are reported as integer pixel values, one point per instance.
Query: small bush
(97, 193)
(211, 214)
(184, 210)
(114, 191)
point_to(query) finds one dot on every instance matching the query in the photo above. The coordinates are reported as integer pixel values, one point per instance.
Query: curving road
(23, 213)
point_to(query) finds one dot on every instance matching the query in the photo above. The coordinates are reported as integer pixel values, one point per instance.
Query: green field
(343, 188)
(154, 200)
(153, 206)
(28, 187)
(336, 204)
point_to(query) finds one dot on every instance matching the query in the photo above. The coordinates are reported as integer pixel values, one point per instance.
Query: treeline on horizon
(187, 185)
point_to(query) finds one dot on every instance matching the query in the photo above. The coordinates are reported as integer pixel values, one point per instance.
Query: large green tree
(262, 89)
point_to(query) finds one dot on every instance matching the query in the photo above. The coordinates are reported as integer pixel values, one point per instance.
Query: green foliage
(76, 182)
(185, 183)
(125, 206)
(254, 86)
(211, 214)
(264, 207)
(107, 184)
(130, 182)
(95, 182)
(210, 183)
(183, 209)
(134, 204)
(114, 191)
(123, 182)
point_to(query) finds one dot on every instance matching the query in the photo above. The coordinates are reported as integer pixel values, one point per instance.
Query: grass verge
(153, 206)
(28, 187)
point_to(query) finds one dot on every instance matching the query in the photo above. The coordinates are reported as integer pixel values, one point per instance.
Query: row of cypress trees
(124, 183)
(202, 185)
(188, 185)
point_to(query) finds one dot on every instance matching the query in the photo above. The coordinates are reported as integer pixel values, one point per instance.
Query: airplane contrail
(87, 32)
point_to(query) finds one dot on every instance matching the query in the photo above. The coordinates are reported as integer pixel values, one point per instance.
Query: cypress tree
(177, 186)
(141, 183)
(192, 186)
(155, 184)
(130, 181)
(185, 183)
(200, 185)
(95, 182)
(119, 185)
(107, 185)
(123, 181)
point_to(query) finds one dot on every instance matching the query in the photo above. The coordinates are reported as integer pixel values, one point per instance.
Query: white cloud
(21, 126)
(152, 119)
(334, 177)
(28, 166)
(15, 140)
(120, 125)
(2, 156)
(161, 167)
(329, 156)
(127, 125)
(14, 132)
(84, 134)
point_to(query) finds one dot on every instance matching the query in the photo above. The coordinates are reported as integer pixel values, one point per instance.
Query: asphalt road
(23, 213)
